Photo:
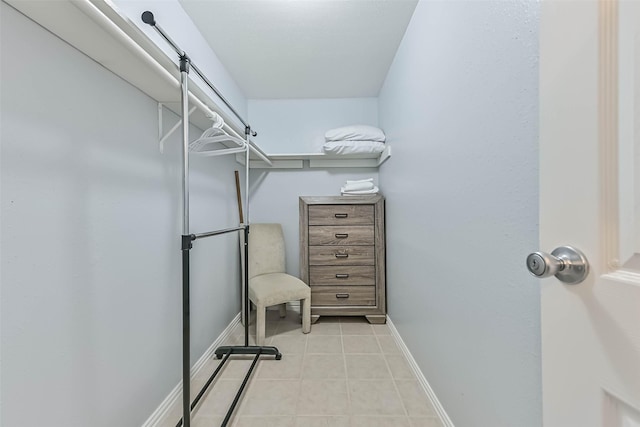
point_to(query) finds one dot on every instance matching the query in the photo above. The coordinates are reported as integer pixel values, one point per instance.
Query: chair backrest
(266, 249)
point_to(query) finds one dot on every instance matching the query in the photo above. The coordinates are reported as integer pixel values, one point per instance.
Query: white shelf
(318, 160)
(101, 32)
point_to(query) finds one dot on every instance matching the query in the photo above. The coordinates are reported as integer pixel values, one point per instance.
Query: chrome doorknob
(568, 264)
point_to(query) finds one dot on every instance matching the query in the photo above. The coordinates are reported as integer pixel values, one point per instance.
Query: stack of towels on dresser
(358, 188)
(354, 140)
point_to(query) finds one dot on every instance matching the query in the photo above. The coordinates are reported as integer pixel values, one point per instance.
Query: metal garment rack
(223, 352)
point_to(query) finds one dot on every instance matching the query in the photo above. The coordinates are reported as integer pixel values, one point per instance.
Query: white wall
(298, 126)
(91, 224)
(460, 107)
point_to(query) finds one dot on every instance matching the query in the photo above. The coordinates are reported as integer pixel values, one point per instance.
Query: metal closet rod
(148, 18)
(216, 232)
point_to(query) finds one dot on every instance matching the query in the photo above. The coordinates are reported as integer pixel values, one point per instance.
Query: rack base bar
(248, 349)
(206, 386)
(241, 389)
(224, 352)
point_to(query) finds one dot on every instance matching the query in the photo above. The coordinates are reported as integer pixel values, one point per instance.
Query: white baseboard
(437, 406)
(159, 414)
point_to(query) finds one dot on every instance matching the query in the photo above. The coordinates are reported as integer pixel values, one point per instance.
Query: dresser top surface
(341, 200)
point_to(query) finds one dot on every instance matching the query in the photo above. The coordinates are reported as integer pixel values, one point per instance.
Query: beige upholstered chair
(268, 283)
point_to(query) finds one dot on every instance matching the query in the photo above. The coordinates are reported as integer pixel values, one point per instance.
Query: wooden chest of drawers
(342, 255)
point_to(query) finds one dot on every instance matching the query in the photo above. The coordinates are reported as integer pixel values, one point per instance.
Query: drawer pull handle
(341, 235)
(342, 295)
(341, 215)
(342, 276)
(342, 255)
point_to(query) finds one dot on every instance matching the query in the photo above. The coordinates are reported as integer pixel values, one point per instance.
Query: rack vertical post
(187, 239)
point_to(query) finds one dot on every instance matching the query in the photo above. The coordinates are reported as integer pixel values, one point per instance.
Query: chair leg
(306, 315)
(260, 324)
(283, 310)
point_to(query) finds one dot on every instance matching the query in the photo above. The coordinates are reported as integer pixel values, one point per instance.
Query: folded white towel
(356, 181)
(374, 190)
(358, 186)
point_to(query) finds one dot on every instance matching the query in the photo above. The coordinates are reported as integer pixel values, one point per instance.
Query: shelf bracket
(161, 135)
(384, 156)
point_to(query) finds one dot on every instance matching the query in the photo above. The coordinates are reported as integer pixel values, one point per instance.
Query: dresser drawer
(341, 255)
(342, 275)
(343, 295)
(341, 215)
(341, 235)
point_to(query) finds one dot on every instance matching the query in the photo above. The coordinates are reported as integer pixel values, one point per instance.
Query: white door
(590, 199)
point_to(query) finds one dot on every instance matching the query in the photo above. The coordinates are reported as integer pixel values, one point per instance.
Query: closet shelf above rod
(102, 31)
(317, 160)
(257, 152)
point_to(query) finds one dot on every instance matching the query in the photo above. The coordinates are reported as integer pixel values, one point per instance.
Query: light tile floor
(345, 373)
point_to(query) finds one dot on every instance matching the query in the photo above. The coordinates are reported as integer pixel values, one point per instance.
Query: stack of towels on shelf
(355, 139)
(358, 188)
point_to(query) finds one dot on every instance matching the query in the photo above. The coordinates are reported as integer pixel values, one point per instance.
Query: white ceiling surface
(304, 48)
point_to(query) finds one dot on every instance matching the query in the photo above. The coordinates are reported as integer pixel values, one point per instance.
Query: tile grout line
(238, 413)
(346, 374)
(395, 385)
(304, 356)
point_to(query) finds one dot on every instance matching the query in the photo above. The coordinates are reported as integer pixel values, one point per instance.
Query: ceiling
(304, 48)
